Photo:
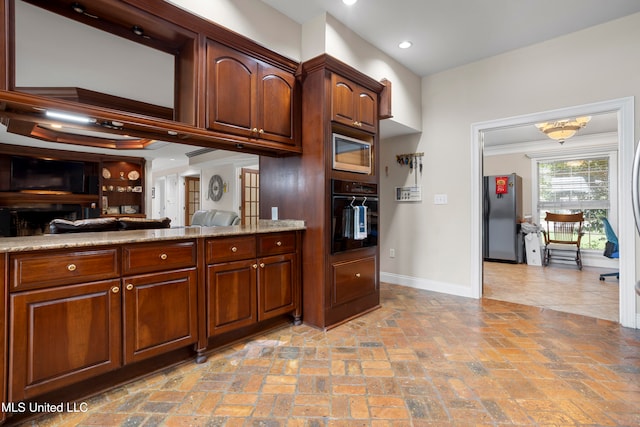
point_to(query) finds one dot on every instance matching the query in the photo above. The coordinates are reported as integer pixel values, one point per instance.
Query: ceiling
(450, 33)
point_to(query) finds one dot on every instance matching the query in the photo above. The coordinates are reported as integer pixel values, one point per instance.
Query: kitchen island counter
(126, 303)
(79, 240)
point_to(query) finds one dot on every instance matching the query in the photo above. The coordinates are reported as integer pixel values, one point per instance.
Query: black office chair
(611, 247)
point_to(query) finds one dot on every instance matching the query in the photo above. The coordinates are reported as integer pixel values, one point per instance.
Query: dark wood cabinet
(231, 296)
(353, 279)
(46, 269)
(63, 335)
(276, 290)
(264, 121)
(251, 279)
(70, 324)
(160, 307)
(337, 98)
(160, 313)
(249, 98)
(122, 188)
(353, 105)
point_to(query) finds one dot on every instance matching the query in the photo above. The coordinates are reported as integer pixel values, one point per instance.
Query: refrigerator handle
(635, 187)
(486, 206)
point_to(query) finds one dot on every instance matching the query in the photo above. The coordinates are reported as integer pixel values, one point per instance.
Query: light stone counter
(79, 240)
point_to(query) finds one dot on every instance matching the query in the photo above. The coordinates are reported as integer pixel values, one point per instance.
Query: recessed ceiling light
(405, 44)
(349, 2)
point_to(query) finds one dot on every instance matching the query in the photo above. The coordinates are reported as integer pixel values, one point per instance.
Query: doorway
(625, 113)
(192, 197)
(249, 199)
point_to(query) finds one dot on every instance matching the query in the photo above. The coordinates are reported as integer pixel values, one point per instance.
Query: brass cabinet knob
(163, 256)
(115, 289)
(129, 287)
(358, 275)
(234, 249)
(71, 267)
(255, 266)
(262, 265)
(278, 243)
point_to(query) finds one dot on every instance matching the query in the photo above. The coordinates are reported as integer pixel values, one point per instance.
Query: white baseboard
(427, 285)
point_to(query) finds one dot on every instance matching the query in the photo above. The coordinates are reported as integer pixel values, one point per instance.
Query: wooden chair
(562, 237)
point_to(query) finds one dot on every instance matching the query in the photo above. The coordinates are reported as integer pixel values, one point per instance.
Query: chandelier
(560, 130)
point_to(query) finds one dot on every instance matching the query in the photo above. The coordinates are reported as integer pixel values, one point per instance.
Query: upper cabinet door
(353, 105)
(343, 108)
(231, 91)
(367, 108)
(277, 101)
(249, 98)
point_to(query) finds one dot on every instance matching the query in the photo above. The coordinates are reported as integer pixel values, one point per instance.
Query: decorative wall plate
(133, 175)
(215, 188)
(105, 173)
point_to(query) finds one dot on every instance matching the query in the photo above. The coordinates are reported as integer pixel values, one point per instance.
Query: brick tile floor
(423, 359)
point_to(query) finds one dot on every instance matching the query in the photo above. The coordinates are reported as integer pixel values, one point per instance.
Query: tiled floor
(558, 287)
(423, 359)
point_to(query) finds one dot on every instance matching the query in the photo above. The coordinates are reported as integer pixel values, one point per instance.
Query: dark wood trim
(6, 45)
(385, 101)
(172, 30)
(328, 62)
(29, 108)
(90, 97)
(4, 348)
(11, 198)
(63, 154)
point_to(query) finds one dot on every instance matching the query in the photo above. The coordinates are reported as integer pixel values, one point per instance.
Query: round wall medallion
(215, 188)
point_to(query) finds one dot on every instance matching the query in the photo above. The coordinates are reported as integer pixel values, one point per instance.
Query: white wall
(593, 65)
(55, 51)
(253, 19)
(343, 44)
(228, 174)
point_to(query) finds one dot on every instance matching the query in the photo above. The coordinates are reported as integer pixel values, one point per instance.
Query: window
(584, 184)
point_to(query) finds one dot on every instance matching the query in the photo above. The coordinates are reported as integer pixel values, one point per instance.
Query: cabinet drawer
(277, 243)
(353, 280)
(145, 258)
(46, 269)
(230, 249)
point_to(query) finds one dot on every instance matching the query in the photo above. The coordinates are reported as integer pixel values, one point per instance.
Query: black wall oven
(352, 226)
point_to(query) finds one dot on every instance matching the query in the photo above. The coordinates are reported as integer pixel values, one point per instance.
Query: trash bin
(532, 243)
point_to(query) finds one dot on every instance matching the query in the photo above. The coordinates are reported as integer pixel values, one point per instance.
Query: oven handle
(358, 197)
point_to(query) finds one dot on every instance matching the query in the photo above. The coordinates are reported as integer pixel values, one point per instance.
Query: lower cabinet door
(231, 296)
(160, 313)
(276, 276)
(63, 335)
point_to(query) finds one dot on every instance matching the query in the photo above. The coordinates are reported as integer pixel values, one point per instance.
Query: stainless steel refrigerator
(502, 205)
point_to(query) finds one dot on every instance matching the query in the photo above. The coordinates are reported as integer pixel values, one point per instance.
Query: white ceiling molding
(545, 147)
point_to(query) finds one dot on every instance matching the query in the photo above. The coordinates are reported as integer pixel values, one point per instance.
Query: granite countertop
(79, 240)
